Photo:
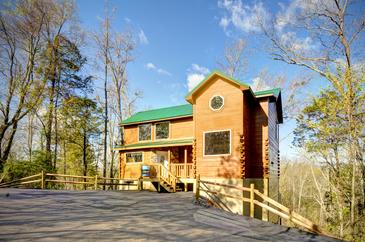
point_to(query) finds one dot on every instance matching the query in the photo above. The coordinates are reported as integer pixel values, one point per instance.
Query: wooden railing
(266, 203)
(182, 170)
(48, 178)
(165, 175)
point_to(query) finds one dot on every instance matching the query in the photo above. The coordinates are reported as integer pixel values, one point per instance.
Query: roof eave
(153, 146)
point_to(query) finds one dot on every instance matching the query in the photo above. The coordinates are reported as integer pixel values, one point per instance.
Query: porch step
(166, 187)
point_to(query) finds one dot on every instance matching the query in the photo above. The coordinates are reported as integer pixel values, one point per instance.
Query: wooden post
(169, 159)
(252, 198)
(186, 168)
(265, 213)
(96, 182)
(197, 187)
(139, 184)
(43, 180)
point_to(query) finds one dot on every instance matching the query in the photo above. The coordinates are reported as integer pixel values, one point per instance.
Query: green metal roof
(160, 114)
(187, 109)
(274, 91)
(159, 143)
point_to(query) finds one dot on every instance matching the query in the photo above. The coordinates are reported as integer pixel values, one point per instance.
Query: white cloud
(128, 20)
(163, 72)
(195, 75)
(142, 37)
(258, 84)
(295, 43)
(151, 66)
(244, 17)
(224, 22)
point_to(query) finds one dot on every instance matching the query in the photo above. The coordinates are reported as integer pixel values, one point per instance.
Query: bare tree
(102, 40)
(20, 38)
(337, 35)
(120, 54)
(234, 62)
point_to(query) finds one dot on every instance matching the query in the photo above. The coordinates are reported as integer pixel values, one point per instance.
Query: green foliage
(331, 130)
(15, 169)
(79, 125)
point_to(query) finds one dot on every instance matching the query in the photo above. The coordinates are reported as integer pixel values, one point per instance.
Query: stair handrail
(171, 179)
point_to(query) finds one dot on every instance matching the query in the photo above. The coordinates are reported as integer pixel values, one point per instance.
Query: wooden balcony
(184, 170)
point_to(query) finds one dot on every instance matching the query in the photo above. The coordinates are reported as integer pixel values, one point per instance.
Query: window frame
(146, 140)
(210, 103)
(215, 131)
(155, 130)
(133, 152)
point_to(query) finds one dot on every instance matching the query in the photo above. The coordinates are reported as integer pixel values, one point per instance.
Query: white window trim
(155, 128)
(129, 163)
(214, 131)
(147, 140)
(210, 103)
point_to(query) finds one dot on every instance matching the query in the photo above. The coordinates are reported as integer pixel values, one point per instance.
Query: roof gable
(160, 114)
(209, 78)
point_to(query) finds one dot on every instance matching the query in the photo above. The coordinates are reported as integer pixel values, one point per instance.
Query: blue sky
(177, 39)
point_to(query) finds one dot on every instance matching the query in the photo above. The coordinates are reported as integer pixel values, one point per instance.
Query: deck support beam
(169, 159)
(185, 168)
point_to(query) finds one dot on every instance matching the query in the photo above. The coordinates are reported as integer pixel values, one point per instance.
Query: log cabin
(225, 133)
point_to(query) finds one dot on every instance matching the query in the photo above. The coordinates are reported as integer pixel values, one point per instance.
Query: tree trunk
(106, 99)
(30, 136)
(48, 131)
(84, 158)
(5, 154)
(56, 123)
(64, 158)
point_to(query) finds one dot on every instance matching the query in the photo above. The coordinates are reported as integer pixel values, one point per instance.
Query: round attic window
(216, 103)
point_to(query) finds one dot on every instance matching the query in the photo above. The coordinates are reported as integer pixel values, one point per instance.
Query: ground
(37, 215)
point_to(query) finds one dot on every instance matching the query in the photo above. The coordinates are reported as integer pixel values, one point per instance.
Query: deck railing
(256, 198)
(165, 175)
(182, 170)
(48, 178)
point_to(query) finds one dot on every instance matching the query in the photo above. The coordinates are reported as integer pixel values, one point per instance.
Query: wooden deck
(39, 215)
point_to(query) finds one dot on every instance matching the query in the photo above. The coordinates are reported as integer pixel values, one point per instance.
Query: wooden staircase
(163, 186)
(167, 182)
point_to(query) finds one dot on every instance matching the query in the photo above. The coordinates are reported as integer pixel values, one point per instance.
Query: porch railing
(182, 170)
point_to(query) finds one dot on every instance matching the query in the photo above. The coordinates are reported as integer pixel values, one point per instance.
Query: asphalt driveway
(45, 215)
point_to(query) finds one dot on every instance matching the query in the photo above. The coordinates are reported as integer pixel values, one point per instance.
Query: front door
(162, 158)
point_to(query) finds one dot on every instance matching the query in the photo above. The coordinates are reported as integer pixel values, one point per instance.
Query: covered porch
(175, 156)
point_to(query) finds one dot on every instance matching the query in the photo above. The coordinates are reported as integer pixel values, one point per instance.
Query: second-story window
(162, 130)
(144, 132)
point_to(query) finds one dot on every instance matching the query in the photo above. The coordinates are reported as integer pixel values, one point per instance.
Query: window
(162, 130)
(133, 157)
(216, 103)
(217, 143)
(144, 132)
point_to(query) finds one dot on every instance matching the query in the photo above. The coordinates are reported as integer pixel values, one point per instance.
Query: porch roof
(153, 144)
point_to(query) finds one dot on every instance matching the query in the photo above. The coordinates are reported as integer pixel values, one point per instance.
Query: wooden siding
(179, 129)
(273, 140)
(130, 134)
(229, 117)
(248, 128)
(260, 129)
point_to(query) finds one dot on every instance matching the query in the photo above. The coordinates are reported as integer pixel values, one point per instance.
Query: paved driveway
(44, 215)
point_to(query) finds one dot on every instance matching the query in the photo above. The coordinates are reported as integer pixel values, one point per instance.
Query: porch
(170, 166)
